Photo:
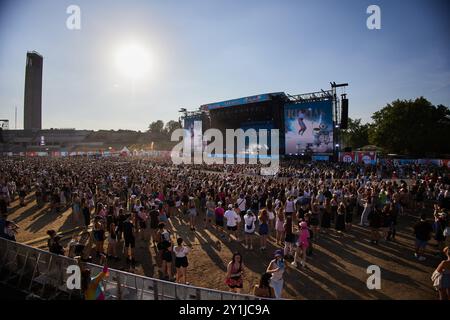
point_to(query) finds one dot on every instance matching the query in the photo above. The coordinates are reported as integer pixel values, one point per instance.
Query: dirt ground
(337, 269)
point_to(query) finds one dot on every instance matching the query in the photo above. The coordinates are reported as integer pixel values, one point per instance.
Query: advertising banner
(347, 157)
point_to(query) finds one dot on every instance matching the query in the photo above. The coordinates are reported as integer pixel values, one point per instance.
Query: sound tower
(344, 113)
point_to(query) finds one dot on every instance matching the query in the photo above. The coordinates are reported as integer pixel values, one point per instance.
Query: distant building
(32, 115)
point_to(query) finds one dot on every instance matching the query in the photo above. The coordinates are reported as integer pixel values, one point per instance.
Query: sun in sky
(133, 60)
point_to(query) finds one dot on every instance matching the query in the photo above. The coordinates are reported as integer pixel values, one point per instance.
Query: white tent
(125, 151)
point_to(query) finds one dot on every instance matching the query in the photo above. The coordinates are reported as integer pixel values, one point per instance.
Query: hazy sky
(211, 50)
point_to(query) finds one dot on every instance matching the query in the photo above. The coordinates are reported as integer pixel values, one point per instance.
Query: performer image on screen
(301, 123)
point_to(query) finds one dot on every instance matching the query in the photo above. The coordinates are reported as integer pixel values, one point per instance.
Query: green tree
(171, 126)
(156, 127)
(411, 127)
(357, 134)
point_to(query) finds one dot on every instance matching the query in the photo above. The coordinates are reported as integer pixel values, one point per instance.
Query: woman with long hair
(263, 227)
(235, 272)
(271, 215)
(181, 261)
(443, 270)
(279, 225)
(263, 289)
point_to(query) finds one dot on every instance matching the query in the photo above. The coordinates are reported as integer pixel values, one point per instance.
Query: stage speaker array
(344, 113)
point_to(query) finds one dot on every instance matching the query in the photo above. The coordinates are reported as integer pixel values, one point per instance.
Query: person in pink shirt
(302, 245)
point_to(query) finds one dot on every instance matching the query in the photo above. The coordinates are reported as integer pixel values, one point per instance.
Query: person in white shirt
(181, 262)
(249, 229)
(232, 221)
(241, 202)
(289, 207)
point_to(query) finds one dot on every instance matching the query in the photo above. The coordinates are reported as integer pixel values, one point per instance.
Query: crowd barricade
(43, 275)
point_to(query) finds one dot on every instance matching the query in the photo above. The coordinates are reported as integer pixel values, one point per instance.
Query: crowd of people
(119, 200)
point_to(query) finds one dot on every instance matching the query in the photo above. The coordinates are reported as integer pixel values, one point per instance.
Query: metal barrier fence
(43, 275)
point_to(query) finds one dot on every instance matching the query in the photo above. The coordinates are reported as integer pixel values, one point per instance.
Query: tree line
(407, 127)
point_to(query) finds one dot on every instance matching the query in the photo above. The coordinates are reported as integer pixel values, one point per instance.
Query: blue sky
(206, 51)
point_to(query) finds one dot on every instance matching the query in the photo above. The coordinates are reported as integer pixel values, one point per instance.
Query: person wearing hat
(249, 229)
(302, 245)
(232, 221)
(276, 268)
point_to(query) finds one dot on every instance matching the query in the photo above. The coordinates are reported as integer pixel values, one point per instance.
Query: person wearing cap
(249, 229)
(302, 245)
(276, 268)
(232, 221)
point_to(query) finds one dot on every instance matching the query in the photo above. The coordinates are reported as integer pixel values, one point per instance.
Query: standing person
(238, 222)
(165, 251)
(263, 289)
(154, 221)
(112, 242)
(314, 220)
(92, 287)
(289, 207)
(271, 213)
(232, 221)
(367, 210)
(276, 268)
(86, 213)
(128, 235)
(76, 208)
(249, 229)
(289, 239)
(340, 218)
(241, 203)
(263, 227)
(302, 245)
(181, 261)
(235, 272)
(350, 211)
(440, 223)
(192, 213)
(99, 235)
(219, 212)
(375, 222)
(325, 222)
(443, 270)
(210, 207)
(279, 225)
(393, 214)
(422, 231)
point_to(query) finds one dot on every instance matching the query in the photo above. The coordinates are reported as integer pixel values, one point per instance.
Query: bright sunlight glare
(133, 60)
